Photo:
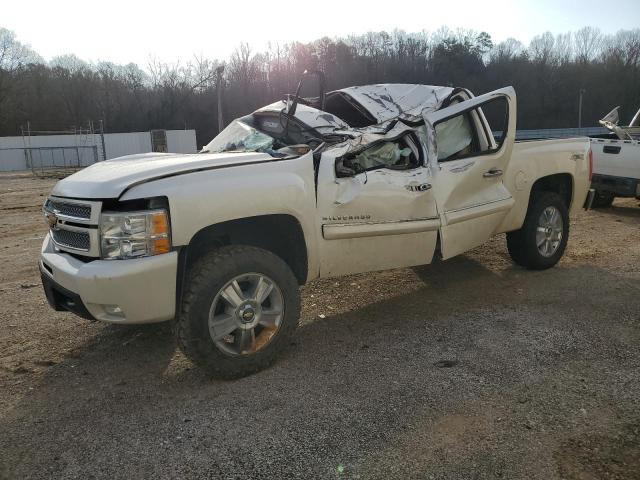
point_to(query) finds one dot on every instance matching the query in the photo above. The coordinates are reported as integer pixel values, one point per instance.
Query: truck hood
(109, 179)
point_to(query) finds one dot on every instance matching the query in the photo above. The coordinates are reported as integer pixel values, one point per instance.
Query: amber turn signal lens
(159, 224)
(160, 245)
(159, 241)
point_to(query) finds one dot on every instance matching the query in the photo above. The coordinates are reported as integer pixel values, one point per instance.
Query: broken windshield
(240, 137)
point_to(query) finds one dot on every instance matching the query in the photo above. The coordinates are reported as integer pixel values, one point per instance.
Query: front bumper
(144, 289)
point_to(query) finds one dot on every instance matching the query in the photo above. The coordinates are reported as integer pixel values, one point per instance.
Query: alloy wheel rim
(549, 231)
(246, 314)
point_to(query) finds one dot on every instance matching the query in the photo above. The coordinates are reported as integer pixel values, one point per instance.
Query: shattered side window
(401, 154)
(454, 138)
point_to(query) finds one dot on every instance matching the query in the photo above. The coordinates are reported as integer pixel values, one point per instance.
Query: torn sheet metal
(367, 136)
(397, 108)
(635, 121)
(610, 121)
(397, 100)
(323, 122)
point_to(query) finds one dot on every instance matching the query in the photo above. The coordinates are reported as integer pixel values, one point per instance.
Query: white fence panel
(12, 160)
(121, 144)
(181, 141)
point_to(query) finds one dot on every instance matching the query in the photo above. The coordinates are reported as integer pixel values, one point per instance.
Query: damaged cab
(359, 179)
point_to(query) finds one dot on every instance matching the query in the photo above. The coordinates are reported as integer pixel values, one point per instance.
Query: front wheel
(240, 307)
(541, 241)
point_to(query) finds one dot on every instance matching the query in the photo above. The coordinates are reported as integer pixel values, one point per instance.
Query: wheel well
(280, 234)
(560, 183)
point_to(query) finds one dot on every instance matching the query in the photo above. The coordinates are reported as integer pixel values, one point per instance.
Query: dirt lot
(472, 368)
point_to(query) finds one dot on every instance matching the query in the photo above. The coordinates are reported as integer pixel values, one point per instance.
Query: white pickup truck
(359, 179)
(616, 160)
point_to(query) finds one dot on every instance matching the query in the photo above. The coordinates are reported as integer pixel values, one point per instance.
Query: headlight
(134, 234)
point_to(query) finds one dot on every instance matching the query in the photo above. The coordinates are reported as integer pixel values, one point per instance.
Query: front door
(471, 159)
(383, 215)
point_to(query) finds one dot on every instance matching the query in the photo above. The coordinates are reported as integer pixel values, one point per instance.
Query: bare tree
(506, 50)
(541, 48)
(563, 50)
(14, 56)
(546, 75)
(587, 44)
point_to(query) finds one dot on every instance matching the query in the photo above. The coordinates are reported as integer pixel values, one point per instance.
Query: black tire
(522, 243)
(602, 199)
(211, 273)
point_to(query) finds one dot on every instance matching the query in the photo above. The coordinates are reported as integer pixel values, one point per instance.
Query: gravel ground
(471, 368)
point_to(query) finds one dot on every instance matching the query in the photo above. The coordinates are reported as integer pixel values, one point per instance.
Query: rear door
(468, 186)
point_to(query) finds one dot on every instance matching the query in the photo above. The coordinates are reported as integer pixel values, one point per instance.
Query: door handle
(494, 172)
(611, 149)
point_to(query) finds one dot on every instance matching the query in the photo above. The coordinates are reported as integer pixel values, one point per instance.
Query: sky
(137, 30)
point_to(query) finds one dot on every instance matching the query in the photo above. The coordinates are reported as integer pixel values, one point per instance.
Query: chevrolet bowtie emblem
(52, 220)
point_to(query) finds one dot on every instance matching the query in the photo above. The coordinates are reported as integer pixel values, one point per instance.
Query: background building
(80, 148)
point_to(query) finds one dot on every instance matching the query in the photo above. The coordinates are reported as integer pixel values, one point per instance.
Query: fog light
(114, 310)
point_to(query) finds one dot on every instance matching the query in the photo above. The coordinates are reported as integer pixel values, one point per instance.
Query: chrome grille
(72, 239)
(69, 209)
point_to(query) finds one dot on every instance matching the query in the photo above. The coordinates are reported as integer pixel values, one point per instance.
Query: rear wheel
(603, 199)
(240, 306)
(541, 241)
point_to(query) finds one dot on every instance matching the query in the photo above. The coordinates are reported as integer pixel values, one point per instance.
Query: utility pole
(582, 92)
(104, 148)
(220, 71)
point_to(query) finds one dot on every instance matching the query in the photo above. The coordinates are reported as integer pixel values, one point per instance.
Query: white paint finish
(200, 199)
(372, 221)
(110, 178)
(357, 255)
(463, 236)
(383, 197)
(623, 164)
(462, 191)
(372, 229)
(538, 159)
(454, 217)
(144, 287)
(381, 193)
(390, 100)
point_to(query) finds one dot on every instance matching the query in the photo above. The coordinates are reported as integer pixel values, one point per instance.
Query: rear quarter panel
(535, 159)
